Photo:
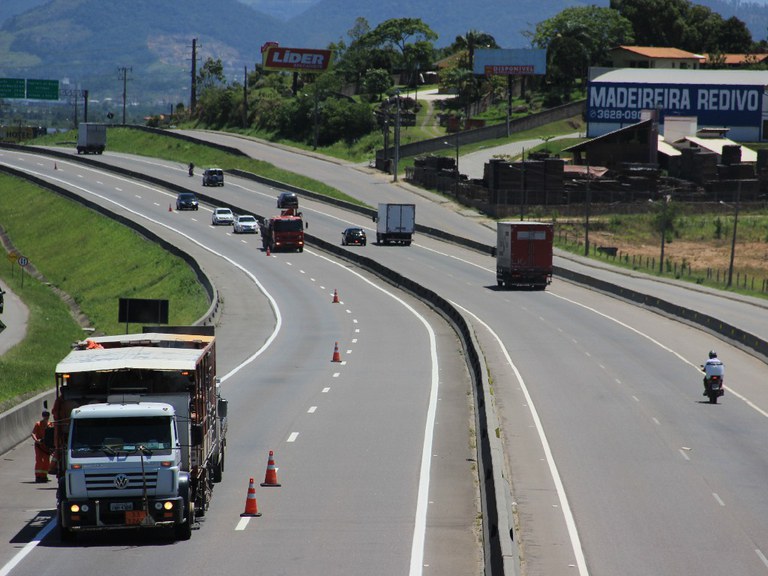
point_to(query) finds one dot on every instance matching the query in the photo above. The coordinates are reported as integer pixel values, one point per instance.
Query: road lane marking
(292, 437)
(312, 410)
(5, 570)
(719, 500)
(570, 522)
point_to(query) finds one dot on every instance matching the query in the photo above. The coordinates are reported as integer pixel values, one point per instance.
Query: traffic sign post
(42, 89)
(23, 261)
(12, 88)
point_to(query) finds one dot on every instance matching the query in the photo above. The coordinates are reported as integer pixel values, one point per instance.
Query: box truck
(91, 138)
(395, 223)
(524, 254)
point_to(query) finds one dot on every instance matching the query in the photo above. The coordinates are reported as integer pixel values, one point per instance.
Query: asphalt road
(615, 464)
(349, 437)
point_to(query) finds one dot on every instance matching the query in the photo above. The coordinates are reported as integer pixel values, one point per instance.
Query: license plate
(121, 506)
(133, 517)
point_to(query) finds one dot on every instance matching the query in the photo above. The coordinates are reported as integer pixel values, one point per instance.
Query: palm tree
(470, 42)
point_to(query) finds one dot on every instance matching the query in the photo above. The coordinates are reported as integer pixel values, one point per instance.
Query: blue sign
(713, 105)
(510, 62)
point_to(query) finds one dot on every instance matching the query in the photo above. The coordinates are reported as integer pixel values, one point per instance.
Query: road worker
(42, 452)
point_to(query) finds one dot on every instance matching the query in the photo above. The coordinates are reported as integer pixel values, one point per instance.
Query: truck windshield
(121, 436)
(288, 226)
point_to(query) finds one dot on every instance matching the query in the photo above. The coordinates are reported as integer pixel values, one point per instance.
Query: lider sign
(296, 59)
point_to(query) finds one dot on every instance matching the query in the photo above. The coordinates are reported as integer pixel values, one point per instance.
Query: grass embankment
(143, 143)
(92, 259)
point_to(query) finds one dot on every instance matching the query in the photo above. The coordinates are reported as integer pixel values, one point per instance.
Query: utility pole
(245, 96)
(193, 91)
(123, 70)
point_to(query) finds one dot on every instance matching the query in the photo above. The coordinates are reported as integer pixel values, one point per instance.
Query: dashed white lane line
(718, 499)
(292, 437)
(326, 390)
(312, 410)
(336, 374)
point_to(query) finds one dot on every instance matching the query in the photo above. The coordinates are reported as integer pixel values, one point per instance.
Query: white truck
(395, 223)
(139, 432)
(91, 138)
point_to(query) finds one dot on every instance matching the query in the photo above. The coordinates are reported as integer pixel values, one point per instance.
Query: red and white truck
(524, 254)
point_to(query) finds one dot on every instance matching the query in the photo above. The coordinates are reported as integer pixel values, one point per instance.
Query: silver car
(246, 224)
(222, 216)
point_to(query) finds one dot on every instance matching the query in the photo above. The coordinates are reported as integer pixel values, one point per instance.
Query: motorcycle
(191, 169)
(713, 387)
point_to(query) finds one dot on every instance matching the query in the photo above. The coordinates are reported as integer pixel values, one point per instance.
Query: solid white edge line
(28, 548)
(570, 522)
(422, 500)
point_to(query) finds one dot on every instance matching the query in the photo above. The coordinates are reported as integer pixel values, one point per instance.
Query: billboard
(512, 62)
(295, 59)
(712, 105)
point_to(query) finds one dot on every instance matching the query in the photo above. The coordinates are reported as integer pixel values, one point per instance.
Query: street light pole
(587, 209)
(397, 135)
(733, 238)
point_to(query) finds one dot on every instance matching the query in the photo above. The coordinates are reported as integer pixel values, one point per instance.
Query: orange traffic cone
(268, 252)
(170, 209)
(270, 479)
(251, 507)
(336, 355)
(335, 297)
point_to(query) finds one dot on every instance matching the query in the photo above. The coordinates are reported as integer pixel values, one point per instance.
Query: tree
(397, 34)
(211, 74)
(681, 24)
(471, 41)
(376, 81)
(578, 38)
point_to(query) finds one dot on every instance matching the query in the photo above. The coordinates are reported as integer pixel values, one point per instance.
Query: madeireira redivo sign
(296, 59)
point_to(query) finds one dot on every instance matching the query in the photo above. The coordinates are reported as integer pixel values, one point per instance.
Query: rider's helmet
(712, 354)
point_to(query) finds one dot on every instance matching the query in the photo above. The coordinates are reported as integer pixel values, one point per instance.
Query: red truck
(524, 254)
(284, 232)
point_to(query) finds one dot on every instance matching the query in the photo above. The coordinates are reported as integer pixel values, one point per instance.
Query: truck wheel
(218, 470)
(184, 530)
(66, 535)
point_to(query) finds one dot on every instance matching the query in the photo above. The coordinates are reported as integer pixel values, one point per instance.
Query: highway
(349, 437)
(615, 463)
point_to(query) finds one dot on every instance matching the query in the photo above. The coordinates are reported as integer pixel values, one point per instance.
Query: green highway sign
(12, 88)
(42, 89)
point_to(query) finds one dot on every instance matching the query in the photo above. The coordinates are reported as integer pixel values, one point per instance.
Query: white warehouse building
(732, 99)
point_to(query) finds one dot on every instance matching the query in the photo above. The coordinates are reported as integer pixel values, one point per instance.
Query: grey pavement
(15, 315)
(473, 164)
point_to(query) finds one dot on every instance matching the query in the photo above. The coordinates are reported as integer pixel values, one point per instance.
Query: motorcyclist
(191, 169)
(712, 367)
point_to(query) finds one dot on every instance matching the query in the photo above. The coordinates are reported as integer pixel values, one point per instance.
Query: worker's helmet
(712, 354)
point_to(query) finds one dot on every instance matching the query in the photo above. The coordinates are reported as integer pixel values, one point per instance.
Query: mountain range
(95, 44)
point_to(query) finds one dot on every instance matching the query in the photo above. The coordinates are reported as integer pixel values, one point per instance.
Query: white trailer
(395, 223)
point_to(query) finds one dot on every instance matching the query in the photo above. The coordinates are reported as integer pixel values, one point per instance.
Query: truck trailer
(395, 223)
(139, 431)
(524, 254)
(91, 138)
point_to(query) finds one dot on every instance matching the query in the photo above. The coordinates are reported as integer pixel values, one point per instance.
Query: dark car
(288, 200)
(213, 177)
(353, 236)
(186, 201)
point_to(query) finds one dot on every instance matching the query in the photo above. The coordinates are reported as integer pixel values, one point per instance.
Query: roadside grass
(93, 259)
(143, 143)
(697, 245)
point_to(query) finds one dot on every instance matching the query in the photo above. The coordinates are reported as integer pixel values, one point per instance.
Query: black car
(186, 201)
(288, 200)
(213, 177)
(354, 236)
